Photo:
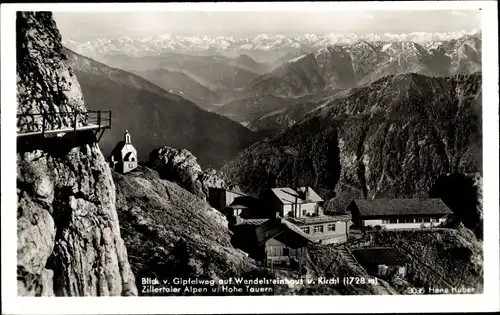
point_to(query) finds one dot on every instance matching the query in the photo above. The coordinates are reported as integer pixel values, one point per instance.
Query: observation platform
(95, 120)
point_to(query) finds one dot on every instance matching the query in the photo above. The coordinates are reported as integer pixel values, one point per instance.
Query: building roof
(229, 190)
(295, 229)
(290, 196)
(255, 222)
(245, 202)
(394, 207)
(266, 229)
(118, 148)
(380, 256)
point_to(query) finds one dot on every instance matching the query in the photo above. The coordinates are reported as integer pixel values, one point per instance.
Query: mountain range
(181, 84)
(308, 81)
(294, 110)
(365, 62)
(392, 138)
(155, 117)
(263, 95)
(215, 72)
(163, 43)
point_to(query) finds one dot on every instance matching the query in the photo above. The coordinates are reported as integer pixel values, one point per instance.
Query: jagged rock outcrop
(69, 241)
(181, 167)
(463, 193)
(391, 139)
(170, 233)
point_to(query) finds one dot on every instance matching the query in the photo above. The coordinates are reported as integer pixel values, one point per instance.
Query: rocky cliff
(463, 193)
(69, 241)
(181, 167)
(393, 138)
(171, 233)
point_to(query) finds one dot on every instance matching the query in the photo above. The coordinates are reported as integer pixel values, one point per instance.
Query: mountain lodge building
(398, 213)
(274, 242)
(236, 206)
(303, 207)
(220, 198)
(124, 156)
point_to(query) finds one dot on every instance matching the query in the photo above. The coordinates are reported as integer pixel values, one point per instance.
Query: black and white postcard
(311, 152)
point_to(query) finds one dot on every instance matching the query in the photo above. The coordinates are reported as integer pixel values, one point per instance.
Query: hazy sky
(89, 25)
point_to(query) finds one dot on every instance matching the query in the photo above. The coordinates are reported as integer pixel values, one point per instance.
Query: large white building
(304, 208)
(302, 202)
(398, 213)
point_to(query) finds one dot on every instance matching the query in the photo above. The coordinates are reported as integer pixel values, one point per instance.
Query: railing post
(99, 118)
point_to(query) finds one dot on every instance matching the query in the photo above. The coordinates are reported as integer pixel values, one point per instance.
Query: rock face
(45, 84)
(171, 233)
(181, 167)
(463, 193)
(391, 139)
(69, 241)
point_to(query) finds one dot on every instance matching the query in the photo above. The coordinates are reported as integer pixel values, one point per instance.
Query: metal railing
(101, 118)
(38, 123)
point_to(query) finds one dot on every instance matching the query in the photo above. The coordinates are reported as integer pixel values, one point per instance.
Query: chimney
(296, 206)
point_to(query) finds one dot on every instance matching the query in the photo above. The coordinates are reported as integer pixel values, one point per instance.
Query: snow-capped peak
(161, 43)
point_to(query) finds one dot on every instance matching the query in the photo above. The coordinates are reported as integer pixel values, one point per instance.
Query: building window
(391, 221)
(407, 220)
(286, 251)
(306, 229)
(331, 227)
(304, 212)
(318, 229)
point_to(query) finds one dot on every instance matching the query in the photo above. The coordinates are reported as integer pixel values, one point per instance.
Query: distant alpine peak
(162, 43)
